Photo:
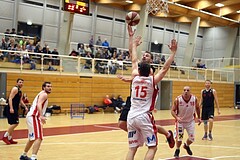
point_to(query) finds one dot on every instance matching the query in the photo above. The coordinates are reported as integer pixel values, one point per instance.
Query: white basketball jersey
(186, 110)
(143, 96)
(33, 110)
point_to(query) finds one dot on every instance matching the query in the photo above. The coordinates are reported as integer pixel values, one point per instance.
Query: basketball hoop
(155, 6)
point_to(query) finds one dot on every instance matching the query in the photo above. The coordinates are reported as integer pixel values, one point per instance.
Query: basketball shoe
(12, 141)
(5, 139)
(187, 149)
(22, 157)
(176, 154)
(210, 138)
(170, 139)
(205, 137)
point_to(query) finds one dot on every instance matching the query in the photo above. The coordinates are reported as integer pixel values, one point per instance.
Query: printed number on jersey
(141, 91)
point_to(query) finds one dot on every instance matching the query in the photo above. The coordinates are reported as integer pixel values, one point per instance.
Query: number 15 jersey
(143, 96)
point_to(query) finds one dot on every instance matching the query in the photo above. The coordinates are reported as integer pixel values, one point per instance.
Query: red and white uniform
(140, 122)
(34, 124)
(186, 111)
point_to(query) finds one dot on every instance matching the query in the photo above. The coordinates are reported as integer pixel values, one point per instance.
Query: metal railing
(24, 62)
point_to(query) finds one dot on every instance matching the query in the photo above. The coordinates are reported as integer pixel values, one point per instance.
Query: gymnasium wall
(70, 89)
(91, 90)
(106, 22)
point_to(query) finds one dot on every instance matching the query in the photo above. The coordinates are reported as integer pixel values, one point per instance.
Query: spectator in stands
(73, 53)
(106, 54)
(32, 64)
(13, 31)
(157, 60)
(50, 67)
(55, 60)
(200, 64)
(4, 46)
(81, 50)
(1, 55)
(7, 31)
(6, 36)
(173, 65)
(30, 47)
(26, 102)
(163, 59)
(98, 53)
(87, 49)
(38, 48)
(88, 63)
(105, 43)
(21, 33)
(99, 41)
(46, 50)
(91, 43)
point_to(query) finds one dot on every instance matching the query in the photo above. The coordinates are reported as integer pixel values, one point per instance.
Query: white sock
(9, 137)
(6, 134)
(34, 156)
(24, 154)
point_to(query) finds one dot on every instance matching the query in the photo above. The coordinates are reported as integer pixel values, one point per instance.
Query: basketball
(132, 18)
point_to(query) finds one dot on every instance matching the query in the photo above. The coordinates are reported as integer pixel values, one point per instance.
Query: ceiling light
(219, 4)
(129, 1)
(238, 11)
(29, 22)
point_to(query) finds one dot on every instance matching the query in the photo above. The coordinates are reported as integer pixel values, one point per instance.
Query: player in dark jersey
(208, 96)
(15, 98)
(146, 57)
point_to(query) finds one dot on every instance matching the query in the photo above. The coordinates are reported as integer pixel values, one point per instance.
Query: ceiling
(185, 11)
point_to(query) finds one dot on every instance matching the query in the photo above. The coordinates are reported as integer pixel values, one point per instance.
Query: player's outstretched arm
(130, 34)
(124, 79)
(137, 41)
(161, 73)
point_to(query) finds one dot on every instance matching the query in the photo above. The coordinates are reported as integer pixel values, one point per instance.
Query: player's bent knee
(192, 139)
(210, 120)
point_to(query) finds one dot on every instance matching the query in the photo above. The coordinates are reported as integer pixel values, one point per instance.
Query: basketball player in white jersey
(35, 120)
(146, 57)
(183, 110)
(140, 122)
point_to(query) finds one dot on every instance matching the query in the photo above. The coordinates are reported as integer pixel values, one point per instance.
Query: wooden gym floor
(97, 137)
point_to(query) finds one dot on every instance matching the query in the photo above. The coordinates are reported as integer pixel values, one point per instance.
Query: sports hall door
(164, 101)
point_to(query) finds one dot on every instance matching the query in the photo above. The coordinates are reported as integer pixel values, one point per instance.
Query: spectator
(173, 65)
(99, 41)
(50, 67)
(120, 102)
(114, 104)
(55, 60)
(91, 43)
(105, 43)
(74, 53)
(163, 59)
(21, 33)
(6, 36)
(81, 50)
(13, 31)
(200, 64)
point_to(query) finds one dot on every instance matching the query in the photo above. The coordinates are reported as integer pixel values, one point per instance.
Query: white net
(156, 6)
